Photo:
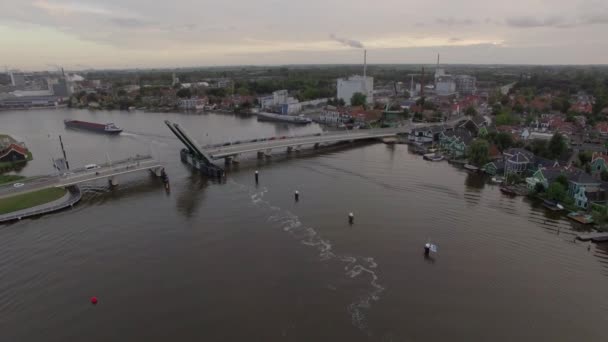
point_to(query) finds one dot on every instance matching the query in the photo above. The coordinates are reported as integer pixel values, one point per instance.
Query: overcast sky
(40, 34)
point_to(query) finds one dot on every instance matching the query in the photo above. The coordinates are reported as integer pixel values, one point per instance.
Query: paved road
(235, 149)
(79, 176)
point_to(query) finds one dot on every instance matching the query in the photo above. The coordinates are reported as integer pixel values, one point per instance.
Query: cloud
(130, 22)
(348, 42)
(558, 21)
(454, 22)
(527, 21)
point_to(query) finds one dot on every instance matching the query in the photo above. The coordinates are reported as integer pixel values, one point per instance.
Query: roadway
(293, 142)
(81, 175)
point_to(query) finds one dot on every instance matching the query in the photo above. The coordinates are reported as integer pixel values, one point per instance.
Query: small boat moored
(580, 217)
(552, 205)
(471, 168)
(498, 180)
(433, 157)
(508, 191)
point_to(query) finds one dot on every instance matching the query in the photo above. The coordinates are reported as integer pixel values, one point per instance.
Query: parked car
(18, 185)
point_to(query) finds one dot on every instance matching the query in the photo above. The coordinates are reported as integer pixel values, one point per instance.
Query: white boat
(433, 157)
(471, 168)
(296, 119)
(497, 180)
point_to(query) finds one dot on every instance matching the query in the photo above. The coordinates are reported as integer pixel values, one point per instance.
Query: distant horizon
(52, 70)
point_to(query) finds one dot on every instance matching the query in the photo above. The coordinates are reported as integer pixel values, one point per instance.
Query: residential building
(454, 143)
(475, 125)
(583, 188)
(347, 87)
(599, 164)
(192, 103)
(517, 160)
(425, 134)
(495, 167)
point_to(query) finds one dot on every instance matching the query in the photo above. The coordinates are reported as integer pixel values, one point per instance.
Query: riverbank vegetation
(29, 200)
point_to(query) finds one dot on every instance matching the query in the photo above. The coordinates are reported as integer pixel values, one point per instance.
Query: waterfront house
(545, 176)
(495, 167)
(583, 188)
(425, 134)
(599, 164)
(11, 150)
(517, 160)
(475, 125)
(454, 142)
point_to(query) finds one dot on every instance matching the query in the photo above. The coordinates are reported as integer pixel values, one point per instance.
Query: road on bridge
(79, 176)
(236, 149)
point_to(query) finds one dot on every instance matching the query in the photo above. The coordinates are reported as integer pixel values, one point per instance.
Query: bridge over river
(82, 175)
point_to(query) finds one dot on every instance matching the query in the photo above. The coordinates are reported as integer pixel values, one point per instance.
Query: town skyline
(93, 34)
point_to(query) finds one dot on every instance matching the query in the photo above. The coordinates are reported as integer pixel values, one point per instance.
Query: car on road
(18, 185)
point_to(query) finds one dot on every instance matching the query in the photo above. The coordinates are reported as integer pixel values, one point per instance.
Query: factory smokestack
(364, 63)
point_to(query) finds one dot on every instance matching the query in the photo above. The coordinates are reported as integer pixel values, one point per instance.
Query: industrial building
(465, 84)
(280, 102)
(445, 85)
(347, 87)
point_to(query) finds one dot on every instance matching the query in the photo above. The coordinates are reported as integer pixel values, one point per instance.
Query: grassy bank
(32, 199)
(10, 178)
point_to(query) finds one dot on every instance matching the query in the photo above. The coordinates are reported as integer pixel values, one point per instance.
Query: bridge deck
(81, 175)
(231, 150)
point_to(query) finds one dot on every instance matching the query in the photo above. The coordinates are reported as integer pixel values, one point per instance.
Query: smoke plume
(348, 42)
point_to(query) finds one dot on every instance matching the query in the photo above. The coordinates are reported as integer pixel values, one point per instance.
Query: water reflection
(191, 194)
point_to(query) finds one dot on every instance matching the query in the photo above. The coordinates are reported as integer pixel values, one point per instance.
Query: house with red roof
(602, 128)
(13, 152)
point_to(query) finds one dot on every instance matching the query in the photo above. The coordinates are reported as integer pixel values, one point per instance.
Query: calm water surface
(237, 262)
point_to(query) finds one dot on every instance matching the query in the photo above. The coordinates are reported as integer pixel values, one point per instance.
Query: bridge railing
(75, 196)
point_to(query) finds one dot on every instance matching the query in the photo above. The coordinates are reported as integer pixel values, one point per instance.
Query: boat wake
(355, 267)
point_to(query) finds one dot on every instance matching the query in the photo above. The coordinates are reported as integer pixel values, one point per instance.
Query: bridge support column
(112, 181)
(298, 148)
(316, 147)
(289, 149)
(268, 153)
(228, 160)
(235, 159)
(260, 154)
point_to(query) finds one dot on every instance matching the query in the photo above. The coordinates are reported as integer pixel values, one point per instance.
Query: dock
(594, 237)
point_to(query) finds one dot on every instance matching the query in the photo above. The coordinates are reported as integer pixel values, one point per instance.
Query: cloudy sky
(40, 34)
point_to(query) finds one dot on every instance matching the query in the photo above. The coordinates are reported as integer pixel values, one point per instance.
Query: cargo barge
(107, 128)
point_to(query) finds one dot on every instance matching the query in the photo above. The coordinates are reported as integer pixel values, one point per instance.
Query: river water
(233, 261)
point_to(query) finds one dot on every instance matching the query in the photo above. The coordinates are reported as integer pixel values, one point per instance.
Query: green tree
(604, 176)
(584, 157)
(406, 113)
(518, 108)
(184, 92)
(557, 192)
(470, 111)
(503, 141)
(358, 99)
(341, 103)
(505, 119)
(563, 180)
(565, 105)
(539, 188)
(479, 152)
(557, 146)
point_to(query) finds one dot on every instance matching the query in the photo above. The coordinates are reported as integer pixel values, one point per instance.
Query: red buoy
(94, 300)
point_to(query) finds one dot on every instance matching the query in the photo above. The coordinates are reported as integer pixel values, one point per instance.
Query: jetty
(594, 237)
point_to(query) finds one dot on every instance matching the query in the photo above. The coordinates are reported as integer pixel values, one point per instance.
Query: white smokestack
(364, 63)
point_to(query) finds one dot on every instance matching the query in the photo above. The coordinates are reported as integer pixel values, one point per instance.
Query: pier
(594, 237)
